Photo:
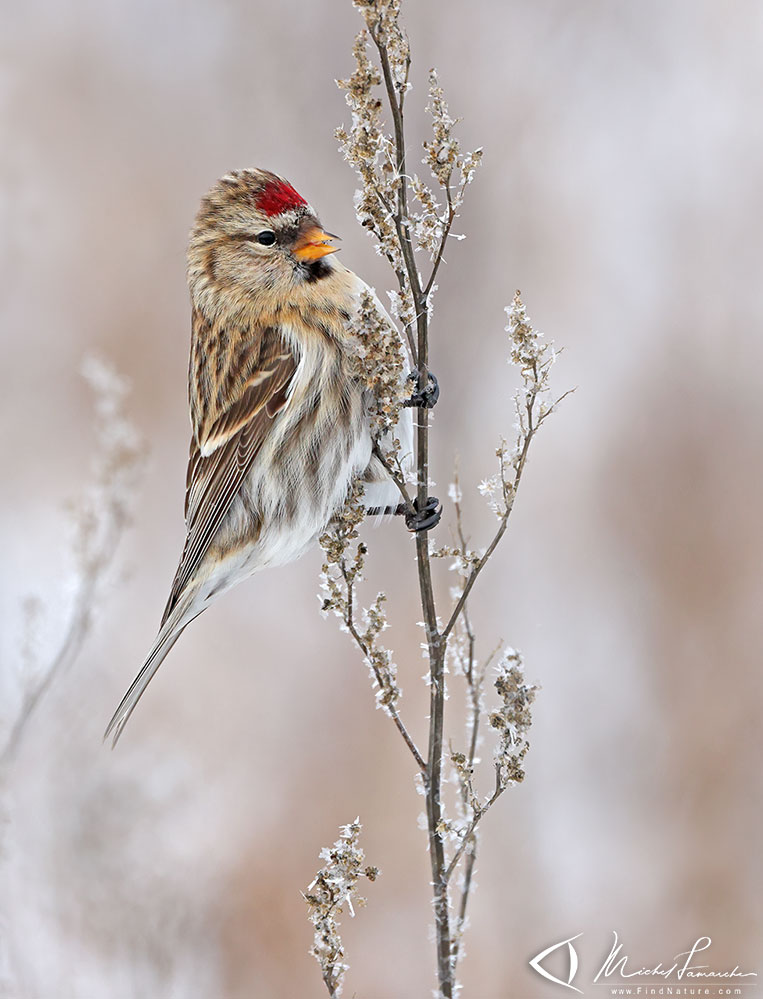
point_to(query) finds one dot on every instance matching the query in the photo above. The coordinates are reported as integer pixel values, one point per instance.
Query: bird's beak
(313, 244)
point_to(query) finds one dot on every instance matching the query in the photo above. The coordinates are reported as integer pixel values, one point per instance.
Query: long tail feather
(168, 635)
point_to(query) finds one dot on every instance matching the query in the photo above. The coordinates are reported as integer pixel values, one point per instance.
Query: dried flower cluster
(513, 719)
(333, 888)
(444, 158)
(379, 159)
(371, 152)
(380, 365)
(340, 575)
(534, 359)
(338, 570)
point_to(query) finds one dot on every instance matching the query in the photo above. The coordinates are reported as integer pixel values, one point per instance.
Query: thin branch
(471, 861)
(397, 477)
(474, 683)
(509, 495)
(358, 638)
(476, 818)
(384, 208)
(400, 217)
(443, 240)
(436, 646)
(401, 275)
(510, 492)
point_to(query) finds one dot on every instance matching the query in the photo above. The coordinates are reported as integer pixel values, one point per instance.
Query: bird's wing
(226, 442)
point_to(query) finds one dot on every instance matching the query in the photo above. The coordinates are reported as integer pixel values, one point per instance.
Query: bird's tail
(169, 633)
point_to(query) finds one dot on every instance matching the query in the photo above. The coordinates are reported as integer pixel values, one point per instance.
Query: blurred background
(621, 191)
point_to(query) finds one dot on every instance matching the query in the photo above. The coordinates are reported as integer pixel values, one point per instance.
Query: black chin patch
(316, 270)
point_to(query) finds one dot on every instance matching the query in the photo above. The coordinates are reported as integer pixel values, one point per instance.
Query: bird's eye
(267, 237)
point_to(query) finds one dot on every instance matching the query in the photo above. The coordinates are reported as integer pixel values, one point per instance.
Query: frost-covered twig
(333, 888)
(534, 358)
(340, 575)
(463, 652)
(512, 721)
(100, 519)
(383, 207)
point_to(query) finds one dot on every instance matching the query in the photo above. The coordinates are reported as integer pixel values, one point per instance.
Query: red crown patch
(279, 196)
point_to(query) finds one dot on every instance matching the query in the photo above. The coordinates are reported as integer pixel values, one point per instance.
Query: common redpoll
(281, 425)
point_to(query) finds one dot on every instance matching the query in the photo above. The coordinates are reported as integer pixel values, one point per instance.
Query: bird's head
(255, 235)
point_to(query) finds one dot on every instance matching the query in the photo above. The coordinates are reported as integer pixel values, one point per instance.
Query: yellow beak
(313, 244)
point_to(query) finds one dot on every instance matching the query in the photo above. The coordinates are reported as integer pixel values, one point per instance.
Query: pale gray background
(621, 191)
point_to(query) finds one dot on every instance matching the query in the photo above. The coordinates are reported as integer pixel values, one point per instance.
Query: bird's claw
(426, 397)
(426, 519)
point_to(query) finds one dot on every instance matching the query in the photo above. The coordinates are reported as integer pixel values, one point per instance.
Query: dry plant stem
(461, 611)
(397, 477)
(74, 639)
(79, 626)
(434, 762)
(443, 241)
(349, 620)
(474, 685)
(509, 493)
(328, 895)
(435, 642)
(396, 98)
(474, 680)
(384, 202)
(470, 842)
(469, 832)
(119, 456)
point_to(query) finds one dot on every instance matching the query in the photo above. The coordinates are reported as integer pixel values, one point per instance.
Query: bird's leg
(386, 511)
(426, 519)
(423, 396)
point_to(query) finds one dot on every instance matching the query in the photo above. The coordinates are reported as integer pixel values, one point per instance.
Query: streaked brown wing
(220, 462)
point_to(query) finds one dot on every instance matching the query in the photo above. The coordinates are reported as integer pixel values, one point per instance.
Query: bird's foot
(424, 397)
(426, 519)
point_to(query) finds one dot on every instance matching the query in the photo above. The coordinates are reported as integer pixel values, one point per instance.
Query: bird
(280, 420)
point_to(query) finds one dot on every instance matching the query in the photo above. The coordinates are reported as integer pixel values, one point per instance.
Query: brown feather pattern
(280, 420)
(222, 451)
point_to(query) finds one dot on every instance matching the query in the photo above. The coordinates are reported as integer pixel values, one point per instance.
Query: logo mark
(535, 963)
